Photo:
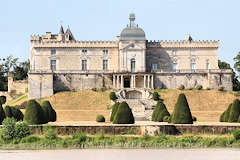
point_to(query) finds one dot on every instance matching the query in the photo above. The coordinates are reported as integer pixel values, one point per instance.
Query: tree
(235, 111)
(237, 62)
(21, 70)
(52, 116)
(34, 113)
(181, 113)
(235, 81)
(124, 115)
(114, 110)
(160, 111)
(2, 114)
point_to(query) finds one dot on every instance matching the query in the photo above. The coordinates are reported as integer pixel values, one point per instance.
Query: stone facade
(59, 62)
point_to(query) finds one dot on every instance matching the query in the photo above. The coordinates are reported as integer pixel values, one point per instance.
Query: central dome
(132, 32)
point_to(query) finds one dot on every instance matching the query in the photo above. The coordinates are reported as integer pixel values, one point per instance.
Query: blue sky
(104, 20)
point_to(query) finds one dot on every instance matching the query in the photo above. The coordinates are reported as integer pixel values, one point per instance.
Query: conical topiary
(17, 114)
(114, 110)
(2, 114)
(235, 111)
(221, 119)
(52, 115)
(45, 113)
(181, 113)
(8, 111)
(33, 113)
(123, 115)
(160, 112)
(227, 112)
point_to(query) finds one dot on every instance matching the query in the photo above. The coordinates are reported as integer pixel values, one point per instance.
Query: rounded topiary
(199, 87)
(100, 118)
(45, 113)
(235, 111)
(33, 113)
(221, 119)
(112, 96)
(124, 115)
(17, 114)
(225, 115)
(181, 113)
(155, 96)
(159, 112)
(2, 114)
(114, 110)
(3, 99)
(8, 111)
(52, 115)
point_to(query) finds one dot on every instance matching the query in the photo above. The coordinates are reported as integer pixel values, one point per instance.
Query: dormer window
(132, 46)
(53, 52)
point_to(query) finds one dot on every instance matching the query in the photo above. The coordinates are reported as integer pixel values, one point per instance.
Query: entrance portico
(121, 81)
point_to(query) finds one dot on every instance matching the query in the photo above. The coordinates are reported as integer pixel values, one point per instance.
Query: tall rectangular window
(105, 65)
(105, 52)
(53, 65)
(193, 66)
(154, 67)
(84, 51)
(175, 66)
(84, 65)
(53, 52)
(207, 65)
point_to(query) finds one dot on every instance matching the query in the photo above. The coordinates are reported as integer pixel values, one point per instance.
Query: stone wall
(18, 86)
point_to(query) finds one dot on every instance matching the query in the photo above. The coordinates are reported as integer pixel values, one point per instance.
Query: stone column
(131, 81)
(122, 85)
(134, 81)
(117, 81)
(114, 82)
(144, 81)
(152, 81)
(148, 80)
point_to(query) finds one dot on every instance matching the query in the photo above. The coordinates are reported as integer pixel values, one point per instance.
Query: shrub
(166, 119)
(30, 139)
(2, 114)
(124, 115)
(8, 112)
(8, 128)
(181, 113)
(46, 114)
(235, 111)
(100, 118)
(17, 114)
(112, 96)
(236, 134)
(199, 87)
(52, 115)
(114, 110)
(21, 130)
(159, 112)
(34, 113)
(194, 118)
(2, 99)
(181, 87)
(208, 88)
(94, 89)
(155, 96)
(220, 88)
(50, 133)
(221, 119)
(81, 137)
(227, 112)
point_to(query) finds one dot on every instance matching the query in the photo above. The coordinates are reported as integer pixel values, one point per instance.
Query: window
(133, 63)
(207, 65)
(154, 66)
(175, 66)
(53, 65)
(132, 46)
(105, 52)
(84, 65)
(193, 66)
(53, 52)
(84, 51)
(105, 65)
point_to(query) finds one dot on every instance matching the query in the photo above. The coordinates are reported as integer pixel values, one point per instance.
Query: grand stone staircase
(139, 100)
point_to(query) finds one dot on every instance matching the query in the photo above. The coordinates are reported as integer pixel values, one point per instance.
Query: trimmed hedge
(13, 112)
(100, 118)
(225, 115)
(34, 113)
(181, 113)
(114, 110)
(124, 115)
(160, 112)
(2, 114)
(234, 111)
(3, 99)
(49, 112)
(112, 96)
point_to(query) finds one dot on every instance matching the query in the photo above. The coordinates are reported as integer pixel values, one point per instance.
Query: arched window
(133, 64)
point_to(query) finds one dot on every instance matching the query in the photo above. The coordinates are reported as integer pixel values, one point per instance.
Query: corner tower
(132, 48)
